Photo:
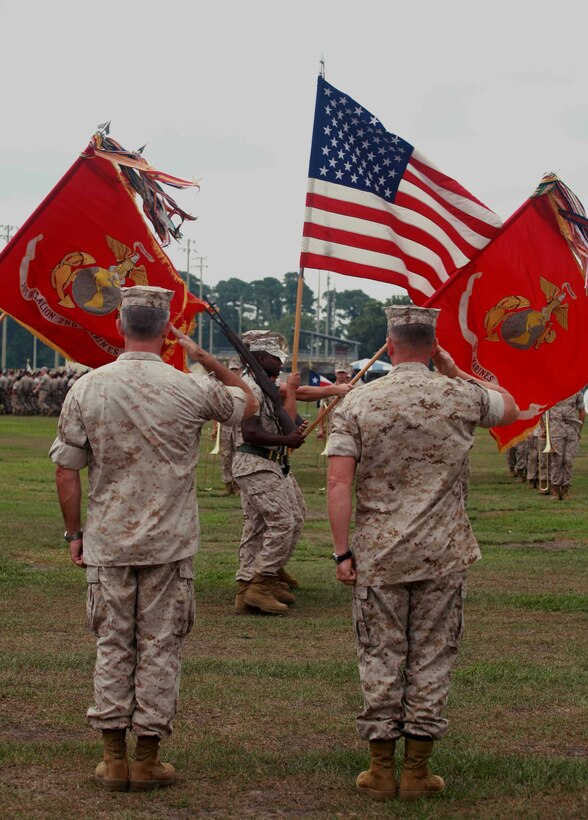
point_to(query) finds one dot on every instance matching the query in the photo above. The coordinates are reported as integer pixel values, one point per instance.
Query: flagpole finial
(322, 65)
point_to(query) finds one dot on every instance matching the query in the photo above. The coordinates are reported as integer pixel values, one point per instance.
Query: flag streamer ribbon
(158, 206)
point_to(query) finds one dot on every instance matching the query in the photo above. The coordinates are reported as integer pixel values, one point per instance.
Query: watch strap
(73, 537)
(338, 559)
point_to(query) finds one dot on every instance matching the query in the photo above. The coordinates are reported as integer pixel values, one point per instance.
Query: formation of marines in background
(35, 392)
(544, 460)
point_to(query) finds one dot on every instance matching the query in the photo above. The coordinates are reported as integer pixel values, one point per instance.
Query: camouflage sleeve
(225, 404)
(70, 448)
(344, 437)
(495, 410)
(579, 401)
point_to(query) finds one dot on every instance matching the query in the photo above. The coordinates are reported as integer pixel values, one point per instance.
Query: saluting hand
(193, 350)
(444, 362)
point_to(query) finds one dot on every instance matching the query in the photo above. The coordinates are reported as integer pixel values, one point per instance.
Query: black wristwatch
(338, 559)
(74, 537)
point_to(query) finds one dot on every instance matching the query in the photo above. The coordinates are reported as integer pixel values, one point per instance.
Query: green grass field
(266, 721)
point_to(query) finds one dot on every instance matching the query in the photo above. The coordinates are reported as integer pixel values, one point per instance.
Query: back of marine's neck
(409, 358)
(143, 346)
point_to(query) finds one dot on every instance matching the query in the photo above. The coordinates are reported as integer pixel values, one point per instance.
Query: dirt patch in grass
(551, 546)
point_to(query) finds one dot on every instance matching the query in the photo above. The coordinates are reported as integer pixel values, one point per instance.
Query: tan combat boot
(286, 578)
(555, 491)
(113, 772)
(147, 771)
(259, 594)
(241, 607)
(416, 780)
(379, 782)
(281, 592)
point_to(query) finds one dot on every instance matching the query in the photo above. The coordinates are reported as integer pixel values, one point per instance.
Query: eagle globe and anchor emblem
(80, 282)
(521, 326)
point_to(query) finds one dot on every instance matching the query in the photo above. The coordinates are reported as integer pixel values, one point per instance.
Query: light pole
(201, 265)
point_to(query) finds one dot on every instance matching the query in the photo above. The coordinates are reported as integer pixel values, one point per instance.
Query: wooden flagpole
(336, 401)
(296, 342)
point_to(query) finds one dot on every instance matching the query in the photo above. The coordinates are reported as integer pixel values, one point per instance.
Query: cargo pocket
(366, 628)
(456, 633)
(185, 599)
(96, 609)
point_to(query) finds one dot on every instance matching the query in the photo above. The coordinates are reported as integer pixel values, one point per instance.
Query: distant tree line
(271, 303)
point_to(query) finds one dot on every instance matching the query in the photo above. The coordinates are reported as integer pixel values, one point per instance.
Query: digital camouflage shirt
(135, 423)
(410, 433)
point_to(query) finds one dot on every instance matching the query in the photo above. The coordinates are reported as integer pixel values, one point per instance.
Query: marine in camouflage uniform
(228, 445)
(511, 460)
(522, 452)
(273, 506)
(17, 397)
(5, 386)
(42, 390)
(27, 386)
(405, 439)
(135, 424)
(537, 460)
(566, 419)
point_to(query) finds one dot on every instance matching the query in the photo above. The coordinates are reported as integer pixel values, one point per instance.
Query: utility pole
(200, 264)
(6, 233)
(318, 317)
(190, 248)
(328, 315)
(4, 320)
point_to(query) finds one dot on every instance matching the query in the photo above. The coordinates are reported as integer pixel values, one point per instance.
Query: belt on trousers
(271, 455)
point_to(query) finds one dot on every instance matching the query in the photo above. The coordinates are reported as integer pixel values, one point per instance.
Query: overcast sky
(494, 93)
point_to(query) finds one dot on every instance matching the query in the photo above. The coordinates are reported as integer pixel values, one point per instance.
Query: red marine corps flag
(518, 312)
(62, 272)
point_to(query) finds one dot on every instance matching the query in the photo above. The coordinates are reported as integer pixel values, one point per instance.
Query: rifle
(270, 389)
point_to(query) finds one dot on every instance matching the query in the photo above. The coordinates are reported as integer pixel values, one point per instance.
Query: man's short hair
(143, 323)
(414, 335)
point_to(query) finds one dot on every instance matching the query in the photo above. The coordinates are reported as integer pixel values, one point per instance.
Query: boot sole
(149, 785)
(112, 785)
(269, 611)
(373, 794)
(409, 796)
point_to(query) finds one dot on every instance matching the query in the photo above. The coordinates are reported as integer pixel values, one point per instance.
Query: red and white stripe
(433, 228)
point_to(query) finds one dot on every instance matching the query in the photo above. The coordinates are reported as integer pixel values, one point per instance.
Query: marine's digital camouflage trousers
(140, 616)
(407, 638)
(273, 518)
(227, 452)
(561, 458)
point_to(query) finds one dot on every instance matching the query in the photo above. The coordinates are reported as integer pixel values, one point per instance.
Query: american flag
(377, 209)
